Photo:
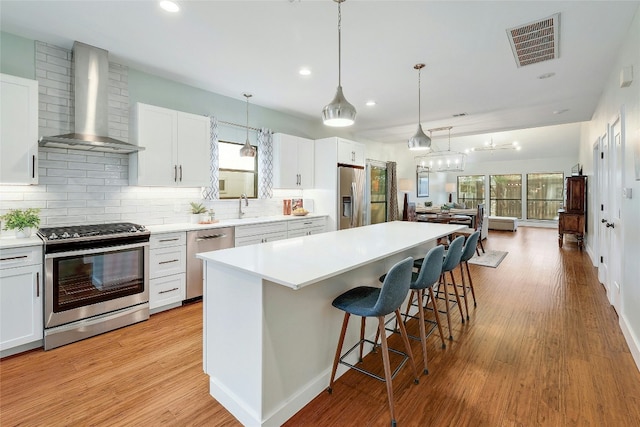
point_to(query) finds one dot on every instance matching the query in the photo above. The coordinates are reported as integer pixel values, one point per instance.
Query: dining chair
(469, 230)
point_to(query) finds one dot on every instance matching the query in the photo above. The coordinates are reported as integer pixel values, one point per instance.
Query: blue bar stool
(451, 261)
(368, 301)
(420, 283)
(470, 247)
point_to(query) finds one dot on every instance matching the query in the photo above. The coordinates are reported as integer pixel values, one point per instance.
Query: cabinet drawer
(167, 261)
(301, 224)
(306, 231)
(166, 240)
(167, 290)
(260, 229)
(252, 240)
(20, 257)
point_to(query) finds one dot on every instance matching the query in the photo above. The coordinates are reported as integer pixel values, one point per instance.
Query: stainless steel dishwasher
(211, 239)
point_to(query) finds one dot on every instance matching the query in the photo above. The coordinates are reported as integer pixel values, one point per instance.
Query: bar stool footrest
(405, 357)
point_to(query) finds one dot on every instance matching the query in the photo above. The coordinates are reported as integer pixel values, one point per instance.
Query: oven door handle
(96, 250)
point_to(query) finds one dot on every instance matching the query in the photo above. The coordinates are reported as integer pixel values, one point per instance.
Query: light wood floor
(543, 347)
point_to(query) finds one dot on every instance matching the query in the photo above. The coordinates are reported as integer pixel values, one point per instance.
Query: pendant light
(419, 141)
(339, 112)
(247, 150)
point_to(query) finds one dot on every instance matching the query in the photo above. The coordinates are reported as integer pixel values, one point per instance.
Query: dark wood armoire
(572, 218)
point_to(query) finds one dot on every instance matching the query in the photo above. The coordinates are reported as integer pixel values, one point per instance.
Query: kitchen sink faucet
(246, 203)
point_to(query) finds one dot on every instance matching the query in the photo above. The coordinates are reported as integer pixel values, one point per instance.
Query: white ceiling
(231, 47)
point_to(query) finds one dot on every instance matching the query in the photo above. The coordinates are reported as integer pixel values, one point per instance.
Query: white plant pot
(24, 233)
(195, 218)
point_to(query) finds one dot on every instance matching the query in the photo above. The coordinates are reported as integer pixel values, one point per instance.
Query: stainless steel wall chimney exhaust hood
(91, 81)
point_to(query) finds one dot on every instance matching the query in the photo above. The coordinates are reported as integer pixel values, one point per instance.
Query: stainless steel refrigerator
(351, 182)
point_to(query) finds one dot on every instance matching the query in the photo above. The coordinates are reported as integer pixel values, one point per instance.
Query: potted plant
(21, 221)
(197, 212)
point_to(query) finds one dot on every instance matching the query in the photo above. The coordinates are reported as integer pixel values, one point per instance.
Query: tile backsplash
(81, 187)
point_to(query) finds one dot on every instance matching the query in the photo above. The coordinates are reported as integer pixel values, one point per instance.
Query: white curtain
(211, 192)
(265, 165)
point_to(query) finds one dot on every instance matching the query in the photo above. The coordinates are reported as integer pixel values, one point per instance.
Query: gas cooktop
(86, 232)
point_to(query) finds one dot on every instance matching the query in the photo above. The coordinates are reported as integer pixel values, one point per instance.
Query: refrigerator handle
(353, 206)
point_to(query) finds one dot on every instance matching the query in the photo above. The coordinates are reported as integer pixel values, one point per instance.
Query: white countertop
(7, 242)
(301, 261)
(169, 228)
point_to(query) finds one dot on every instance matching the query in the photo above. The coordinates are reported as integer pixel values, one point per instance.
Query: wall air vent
(536, 41)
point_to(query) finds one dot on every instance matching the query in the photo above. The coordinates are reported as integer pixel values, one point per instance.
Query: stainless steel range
(96, 280)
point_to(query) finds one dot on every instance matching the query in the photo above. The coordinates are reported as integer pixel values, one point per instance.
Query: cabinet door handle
(180, 173)
(33, 166)
(11, 258)
(37, 284)
(604, 221)
(611, 225)
(169, 240)
(168, 262)
(175, 173)
(168, 290)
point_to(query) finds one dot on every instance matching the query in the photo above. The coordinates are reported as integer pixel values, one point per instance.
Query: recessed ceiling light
(169, 6)
(564, 110)
(304, 71)
(546, 75)
(370, 103)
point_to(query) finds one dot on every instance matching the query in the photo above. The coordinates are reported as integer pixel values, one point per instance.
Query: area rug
(489, 258)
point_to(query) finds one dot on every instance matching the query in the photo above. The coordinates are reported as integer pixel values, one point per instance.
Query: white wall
(614, 100)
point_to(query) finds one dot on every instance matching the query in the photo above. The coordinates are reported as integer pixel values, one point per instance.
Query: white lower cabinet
(167, 270)
(21, 301)
(306, 227)
(260, 233)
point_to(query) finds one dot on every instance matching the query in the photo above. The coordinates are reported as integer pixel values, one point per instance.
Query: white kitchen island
(270, 331)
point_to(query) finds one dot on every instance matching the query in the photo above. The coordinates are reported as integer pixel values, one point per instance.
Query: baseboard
(632, 340)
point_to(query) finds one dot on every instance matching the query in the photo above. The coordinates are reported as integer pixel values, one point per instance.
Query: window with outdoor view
(237, 175)
(544, 195)
(471, 190)
(505, 195)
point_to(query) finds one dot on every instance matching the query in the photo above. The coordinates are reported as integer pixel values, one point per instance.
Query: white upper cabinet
(292, 161)
(18, 130)
(176, 148)
(350, 152)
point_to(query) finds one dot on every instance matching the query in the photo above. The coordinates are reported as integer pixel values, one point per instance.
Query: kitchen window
(505, 195)
(237, 175)
(544, 195)
(471, 190)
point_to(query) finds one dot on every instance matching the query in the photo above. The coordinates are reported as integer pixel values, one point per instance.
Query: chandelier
(445, 160)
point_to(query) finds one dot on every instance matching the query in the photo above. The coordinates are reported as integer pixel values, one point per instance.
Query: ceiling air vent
(536, 41)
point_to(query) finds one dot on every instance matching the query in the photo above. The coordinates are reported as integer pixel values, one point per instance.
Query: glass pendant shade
(339, 112)
(419, 141)
(247, 149)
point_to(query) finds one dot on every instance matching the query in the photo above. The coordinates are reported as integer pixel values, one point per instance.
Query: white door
(602, 181)
(616, 169)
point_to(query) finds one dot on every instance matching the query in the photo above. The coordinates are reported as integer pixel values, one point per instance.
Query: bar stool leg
(387, 367)
(363, 322)
(443, 282)
(455, 291)
(473, 292)
(435, 312)
(345, 322)
(464, 290)
(407, 346)
(423, 333)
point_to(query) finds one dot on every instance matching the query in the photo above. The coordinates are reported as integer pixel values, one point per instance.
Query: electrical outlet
(626, 193)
